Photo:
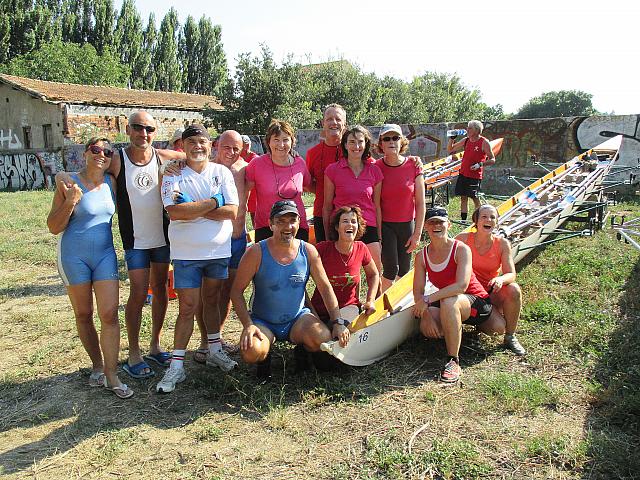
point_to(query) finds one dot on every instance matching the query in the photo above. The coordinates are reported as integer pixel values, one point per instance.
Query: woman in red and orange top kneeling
(342, 257)
(494, 268)
(460, 297)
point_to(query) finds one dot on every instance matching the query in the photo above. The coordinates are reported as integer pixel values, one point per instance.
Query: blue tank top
(279, 289)
(90, 221)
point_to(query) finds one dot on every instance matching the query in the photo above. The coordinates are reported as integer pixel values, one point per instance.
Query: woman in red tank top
(494, 267)
(445, 266)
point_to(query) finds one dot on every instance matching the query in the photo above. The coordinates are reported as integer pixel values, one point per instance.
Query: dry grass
(545, 416)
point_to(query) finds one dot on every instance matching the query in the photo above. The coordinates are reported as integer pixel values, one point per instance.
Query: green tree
(5, 37)
(102, 35)
(144, 74)
(70, 62)
(188, 48)
(563, 103)
(128, 39)
(165, 58)
(212, 63)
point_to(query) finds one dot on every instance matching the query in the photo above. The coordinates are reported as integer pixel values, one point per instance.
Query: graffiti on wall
(9, 140)
(21, 171)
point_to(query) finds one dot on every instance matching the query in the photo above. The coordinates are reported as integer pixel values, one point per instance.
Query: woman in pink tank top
(494, 267)
(445, 266)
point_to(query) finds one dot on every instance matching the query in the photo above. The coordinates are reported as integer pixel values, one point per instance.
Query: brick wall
(111, 125)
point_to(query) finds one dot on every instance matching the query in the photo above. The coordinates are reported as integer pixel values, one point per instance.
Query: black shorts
(481, 309)
(318, 228)
(370, 235)
(467, 187)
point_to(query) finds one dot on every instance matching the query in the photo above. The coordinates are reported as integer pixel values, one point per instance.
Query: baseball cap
(177, 135)
(438, 213)
(195, 129)
(246, 140)
(282, 207)
(390, 127)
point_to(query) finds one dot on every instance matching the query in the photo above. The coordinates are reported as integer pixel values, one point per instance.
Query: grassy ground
(570, 409)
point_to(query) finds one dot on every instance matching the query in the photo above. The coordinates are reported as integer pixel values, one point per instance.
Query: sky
(509, 50)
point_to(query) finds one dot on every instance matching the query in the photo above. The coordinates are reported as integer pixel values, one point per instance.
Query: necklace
(345, 262)
(89, 185)
(275, 175)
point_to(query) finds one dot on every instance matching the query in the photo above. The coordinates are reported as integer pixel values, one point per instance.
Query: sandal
(96, 379)
(200, 355)
(137, 370)
(122, 391)
(163, 359)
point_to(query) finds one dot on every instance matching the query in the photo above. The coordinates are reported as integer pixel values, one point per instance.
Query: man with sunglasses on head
(143, 228)
(325, 153)
(202, 202)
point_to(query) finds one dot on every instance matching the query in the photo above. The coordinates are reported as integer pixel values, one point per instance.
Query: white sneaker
(171, 378)
(221, 360)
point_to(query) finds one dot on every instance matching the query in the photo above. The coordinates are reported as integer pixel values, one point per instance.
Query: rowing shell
(548, 202)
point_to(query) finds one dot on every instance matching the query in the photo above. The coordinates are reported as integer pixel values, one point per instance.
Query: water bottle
(455, 133)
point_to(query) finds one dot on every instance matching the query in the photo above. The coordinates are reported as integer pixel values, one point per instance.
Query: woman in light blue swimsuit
(82, 212)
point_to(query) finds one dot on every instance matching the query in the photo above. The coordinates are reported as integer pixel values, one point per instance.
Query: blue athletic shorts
(238, 247)
(76, 269)
(280, 330)
(137, 258)
(189, 273)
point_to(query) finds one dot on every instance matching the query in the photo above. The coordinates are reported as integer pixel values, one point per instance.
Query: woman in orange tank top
(493, 265)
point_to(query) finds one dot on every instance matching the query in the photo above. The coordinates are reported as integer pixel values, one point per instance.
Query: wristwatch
(342, 321)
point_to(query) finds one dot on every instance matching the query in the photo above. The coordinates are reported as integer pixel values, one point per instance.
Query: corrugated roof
(57, 92)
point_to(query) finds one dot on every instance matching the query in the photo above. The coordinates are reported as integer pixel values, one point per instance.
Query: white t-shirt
(201, 238)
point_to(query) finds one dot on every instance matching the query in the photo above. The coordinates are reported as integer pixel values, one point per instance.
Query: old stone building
(37, 114)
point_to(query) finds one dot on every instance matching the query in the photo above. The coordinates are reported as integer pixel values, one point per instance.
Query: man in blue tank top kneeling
(280, 267)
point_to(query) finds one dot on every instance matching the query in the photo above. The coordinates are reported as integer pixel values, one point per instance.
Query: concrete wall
(18, 110)
(553, 140)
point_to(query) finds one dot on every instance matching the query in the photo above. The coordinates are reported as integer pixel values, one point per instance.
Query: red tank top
(473, 153)
(447, 275)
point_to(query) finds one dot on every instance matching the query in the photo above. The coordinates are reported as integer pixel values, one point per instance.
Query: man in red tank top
(477, 154)
(447, 293)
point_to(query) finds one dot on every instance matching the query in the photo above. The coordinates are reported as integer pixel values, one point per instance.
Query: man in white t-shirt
(201, 202)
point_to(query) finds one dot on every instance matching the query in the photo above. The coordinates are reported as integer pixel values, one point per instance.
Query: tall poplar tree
(102, 35)
(144, 72)
(165, 59)
(212, 62)
(189, 44)
(128, 39)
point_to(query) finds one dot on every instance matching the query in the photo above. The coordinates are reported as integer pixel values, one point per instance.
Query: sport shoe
(451, 372)
(263, 372)
(171, 378)
(230, 348)
(221, 360)
(512, 343)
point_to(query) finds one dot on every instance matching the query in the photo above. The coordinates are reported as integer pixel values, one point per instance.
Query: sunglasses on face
(395, 138)
(138, 128)
(96, 150)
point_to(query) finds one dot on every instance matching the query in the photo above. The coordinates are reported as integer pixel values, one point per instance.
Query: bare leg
(376, 253)
(107, 303)
(476, 202)
(201, 326)
(158, 280)
(310, 332)
(464, 206)
(81, 297)
(187, 304)
(138, 288)
(509, 298)
(211, 288)
(224, 306)
(452, 311)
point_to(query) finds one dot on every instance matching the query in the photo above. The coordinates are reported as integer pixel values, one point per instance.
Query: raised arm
(64, 201)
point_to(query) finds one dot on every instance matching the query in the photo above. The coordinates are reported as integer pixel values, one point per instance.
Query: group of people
(187, 206)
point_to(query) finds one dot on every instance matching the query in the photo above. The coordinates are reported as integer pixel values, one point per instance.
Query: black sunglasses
(138, 128)
(96, 150)
(395, 138)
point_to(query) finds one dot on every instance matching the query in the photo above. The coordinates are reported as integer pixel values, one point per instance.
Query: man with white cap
(202, 202)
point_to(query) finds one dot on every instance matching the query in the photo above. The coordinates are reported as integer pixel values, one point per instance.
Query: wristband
(219, 199)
